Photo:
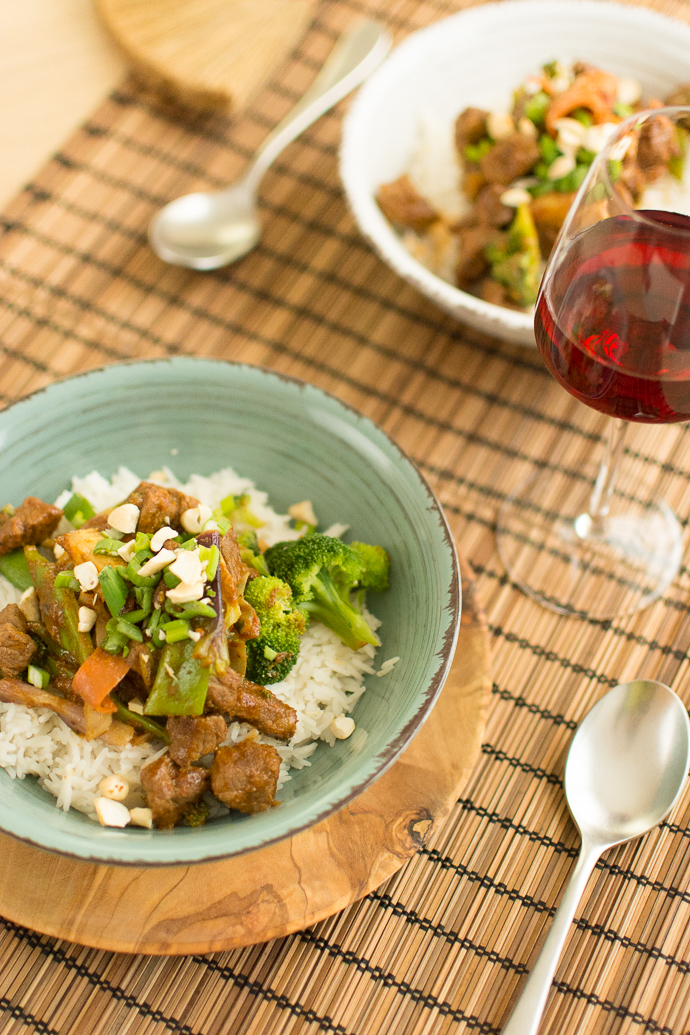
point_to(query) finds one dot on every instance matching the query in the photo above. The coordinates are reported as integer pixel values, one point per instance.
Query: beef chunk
(488, 208)
(473, 182)
(192, 738)
(98, 521)
(245, 776)
(170, 789)
(472, 261)
(656, 146)
(244, 701)
(509, 159)
(159, 506)
(31, 523)
(404, 206)
(16, 646)
(632, 179)
(470, 127)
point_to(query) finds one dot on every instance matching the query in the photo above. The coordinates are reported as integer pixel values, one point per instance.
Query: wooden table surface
(441, 947)
(57, 62)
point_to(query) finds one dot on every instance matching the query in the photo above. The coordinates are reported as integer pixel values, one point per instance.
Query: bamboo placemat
(443, 945)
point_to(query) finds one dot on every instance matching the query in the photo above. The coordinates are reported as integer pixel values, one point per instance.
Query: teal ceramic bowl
(295, 442)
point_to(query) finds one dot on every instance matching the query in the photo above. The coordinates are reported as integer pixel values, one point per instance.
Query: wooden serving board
(285, 887)
(206, 54)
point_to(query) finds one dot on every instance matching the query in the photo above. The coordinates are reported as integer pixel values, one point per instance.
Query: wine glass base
(548, 547)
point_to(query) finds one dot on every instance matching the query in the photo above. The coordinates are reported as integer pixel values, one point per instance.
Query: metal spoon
(626, 767)
(210, 229)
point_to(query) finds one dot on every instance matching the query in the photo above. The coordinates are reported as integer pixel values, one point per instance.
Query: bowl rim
(435, 684)
(509, 324)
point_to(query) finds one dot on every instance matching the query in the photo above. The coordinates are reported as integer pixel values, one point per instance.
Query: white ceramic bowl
(479, 57)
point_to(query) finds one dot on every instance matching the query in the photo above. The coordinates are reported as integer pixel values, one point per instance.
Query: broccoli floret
(517, 265)
(376, 566)
(274, 651)
(322, 571)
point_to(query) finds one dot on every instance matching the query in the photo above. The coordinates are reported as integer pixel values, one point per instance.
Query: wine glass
(612, 323)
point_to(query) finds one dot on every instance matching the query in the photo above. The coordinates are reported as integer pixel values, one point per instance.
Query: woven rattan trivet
(441, 948)
(288, 886)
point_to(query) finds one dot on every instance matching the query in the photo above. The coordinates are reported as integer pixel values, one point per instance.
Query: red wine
(613, 318)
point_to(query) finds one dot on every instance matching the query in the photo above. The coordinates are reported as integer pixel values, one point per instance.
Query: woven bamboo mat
(443, 945)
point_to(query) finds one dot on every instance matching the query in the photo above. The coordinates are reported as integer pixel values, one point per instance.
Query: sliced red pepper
(97, 676)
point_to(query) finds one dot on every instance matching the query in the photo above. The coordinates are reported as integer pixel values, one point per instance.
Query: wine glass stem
(593, 523)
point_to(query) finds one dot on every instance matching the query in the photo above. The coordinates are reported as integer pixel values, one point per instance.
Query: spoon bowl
(627, 762)
(209, 229)
(626, 769)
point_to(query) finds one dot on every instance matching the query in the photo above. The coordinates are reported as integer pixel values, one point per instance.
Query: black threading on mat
(404, 988)
(240, 980)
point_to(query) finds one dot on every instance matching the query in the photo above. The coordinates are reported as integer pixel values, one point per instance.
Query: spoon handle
(525, 1018)
(356, 54)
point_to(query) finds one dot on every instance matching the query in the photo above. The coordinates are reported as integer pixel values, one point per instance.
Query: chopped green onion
(136, 616)
(132, 632)
(78, 510)
(114, 589)
(194, 609)
(170, 580)
(176, 631)
(144, 597)
(270, 654)
(115, 642)
(108, 546)
(153, 627)
(66, 579)
(142, 541)
(210, 554)
(473, 153)
(536, 107)
(131, 572)
(584, 156)
(224, 524)
(229, 504)
(189, 544)
(539, 189)
(15, 569)
(615, 169)
(548, 148)
(584, 116)
(38, 677)
(622, 110)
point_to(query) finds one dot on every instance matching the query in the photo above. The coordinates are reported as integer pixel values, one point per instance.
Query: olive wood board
(211, 55)
(210, 907)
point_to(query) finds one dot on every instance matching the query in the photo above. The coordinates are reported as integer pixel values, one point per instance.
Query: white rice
(326, 682)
